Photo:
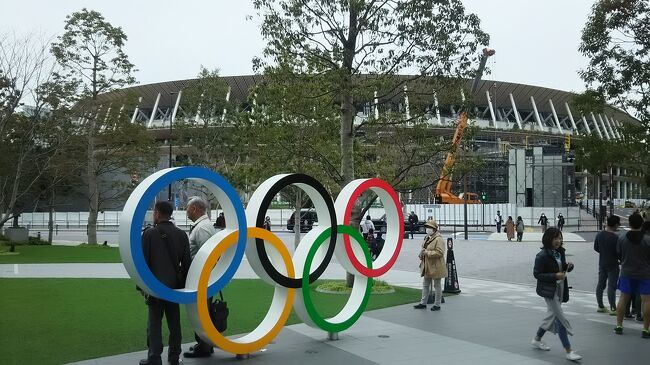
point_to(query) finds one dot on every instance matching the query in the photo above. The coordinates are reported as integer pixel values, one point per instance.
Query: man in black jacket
(166, 250)
(605, 244)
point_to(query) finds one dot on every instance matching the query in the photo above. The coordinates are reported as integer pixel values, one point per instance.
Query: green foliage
(616, 40)
(323, 59)
(91, 53)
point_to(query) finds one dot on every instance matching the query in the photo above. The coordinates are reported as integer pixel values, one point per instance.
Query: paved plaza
(490, 322)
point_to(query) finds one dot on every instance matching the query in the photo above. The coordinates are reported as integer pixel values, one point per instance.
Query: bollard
(451, 281)
(333, 336)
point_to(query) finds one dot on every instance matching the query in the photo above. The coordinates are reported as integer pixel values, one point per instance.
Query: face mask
(429, 230)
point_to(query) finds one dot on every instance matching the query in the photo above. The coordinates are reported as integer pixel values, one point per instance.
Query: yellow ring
(217, 338)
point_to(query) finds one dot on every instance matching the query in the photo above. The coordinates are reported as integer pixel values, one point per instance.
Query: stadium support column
(494, 119)
(573, 122)
(584, 121)
(435, 103)
(407, 108)
(557, 120)
(537, 117)
(600, 117)
(153, 112)
(593, 118)
(514, 109)
(376, 106)
(612, 126)
(137, 109)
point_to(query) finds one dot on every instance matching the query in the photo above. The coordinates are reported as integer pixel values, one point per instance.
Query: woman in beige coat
(510, 228)
(432, 265)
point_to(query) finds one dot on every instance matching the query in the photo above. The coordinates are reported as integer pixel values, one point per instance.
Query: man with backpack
(166, 251)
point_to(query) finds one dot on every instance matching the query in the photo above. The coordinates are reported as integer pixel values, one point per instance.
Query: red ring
(363, 270)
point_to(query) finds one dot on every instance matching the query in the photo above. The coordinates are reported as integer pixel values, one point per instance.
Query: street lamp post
(171, 122)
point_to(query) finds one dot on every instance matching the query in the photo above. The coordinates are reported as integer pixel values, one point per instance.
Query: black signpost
(451, 281)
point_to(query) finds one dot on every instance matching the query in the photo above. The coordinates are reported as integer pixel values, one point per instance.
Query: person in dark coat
(605, 244)
(560, 221)
(550, 271)
(220, 223)
(543, 221)
(413, 223)
(166, 251)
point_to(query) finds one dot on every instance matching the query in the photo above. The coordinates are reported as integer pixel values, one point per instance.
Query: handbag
(219, 313)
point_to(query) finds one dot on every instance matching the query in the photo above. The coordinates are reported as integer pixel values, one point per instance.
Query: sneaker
(602, 310)
(612, 312)
(645, 333)
(539, 345)
(573, 356)
(420, 306)
(638, 318)
(435, 308)
(618, 330)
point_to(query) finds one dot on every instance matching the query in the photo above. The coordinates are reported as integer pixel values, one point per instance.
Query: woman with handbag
(552, 285)
(432, 265)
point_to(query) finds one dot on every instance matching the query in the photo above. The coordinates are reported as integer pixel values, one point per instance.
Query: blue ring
(161, 290)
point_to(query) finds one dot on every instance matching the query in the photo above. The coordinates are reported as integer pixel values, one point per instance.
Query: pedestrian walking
(267, 223)
(498, 219)
(413, 223)
(379, 244)
(605, 244)
(220, 222)
(520, 228)
(550, 271)
(200, 232)
(560, 221)
(432, 265)
(166, 251)
(634, 250)
(510, 228)
(543, 221)
(370, 242)
(366, 226)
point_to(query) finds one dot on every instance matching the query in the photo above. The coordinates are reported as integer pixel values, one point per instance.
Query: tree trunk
(347, 155)
(50, 223)
(93, 190)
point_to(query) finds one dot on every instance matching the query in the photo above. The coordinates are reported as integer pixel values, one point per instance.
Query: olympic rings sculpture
(218, 259)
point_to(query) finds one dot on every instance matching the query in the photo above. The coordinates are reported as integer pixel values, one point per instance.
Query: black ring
(290, 179)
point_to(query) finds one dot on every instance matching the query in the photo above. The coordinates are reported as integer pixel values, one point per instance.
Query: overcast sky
(536, 41)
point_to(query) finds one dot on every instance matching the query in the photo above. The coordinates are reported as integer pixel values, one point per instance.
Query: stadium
(524, 135)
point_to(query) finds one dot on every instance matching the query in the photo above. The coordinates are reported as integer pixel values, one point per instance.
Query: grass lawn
(54, 321)
(40, 254)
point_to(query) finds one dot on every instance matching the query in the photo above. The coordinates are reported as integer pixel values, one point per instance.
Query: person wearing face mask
(550, 271)
(432, 265)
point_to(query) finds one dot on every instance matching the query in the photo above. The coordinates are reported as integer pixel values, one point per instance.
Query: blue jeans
(561, 333)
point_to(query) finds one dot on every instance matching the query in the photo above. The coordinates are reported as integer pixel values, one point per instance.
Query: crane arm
(444, 183)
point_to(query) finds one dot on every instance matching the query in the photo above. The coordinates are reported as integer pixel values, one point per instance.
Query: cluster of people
(374, 242)
(518, 227)
(512, 228)
(624, 264)
(169, 251)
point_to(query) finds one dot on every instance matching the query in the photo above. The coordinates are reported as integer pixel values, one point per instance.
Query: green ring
(309, 304)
